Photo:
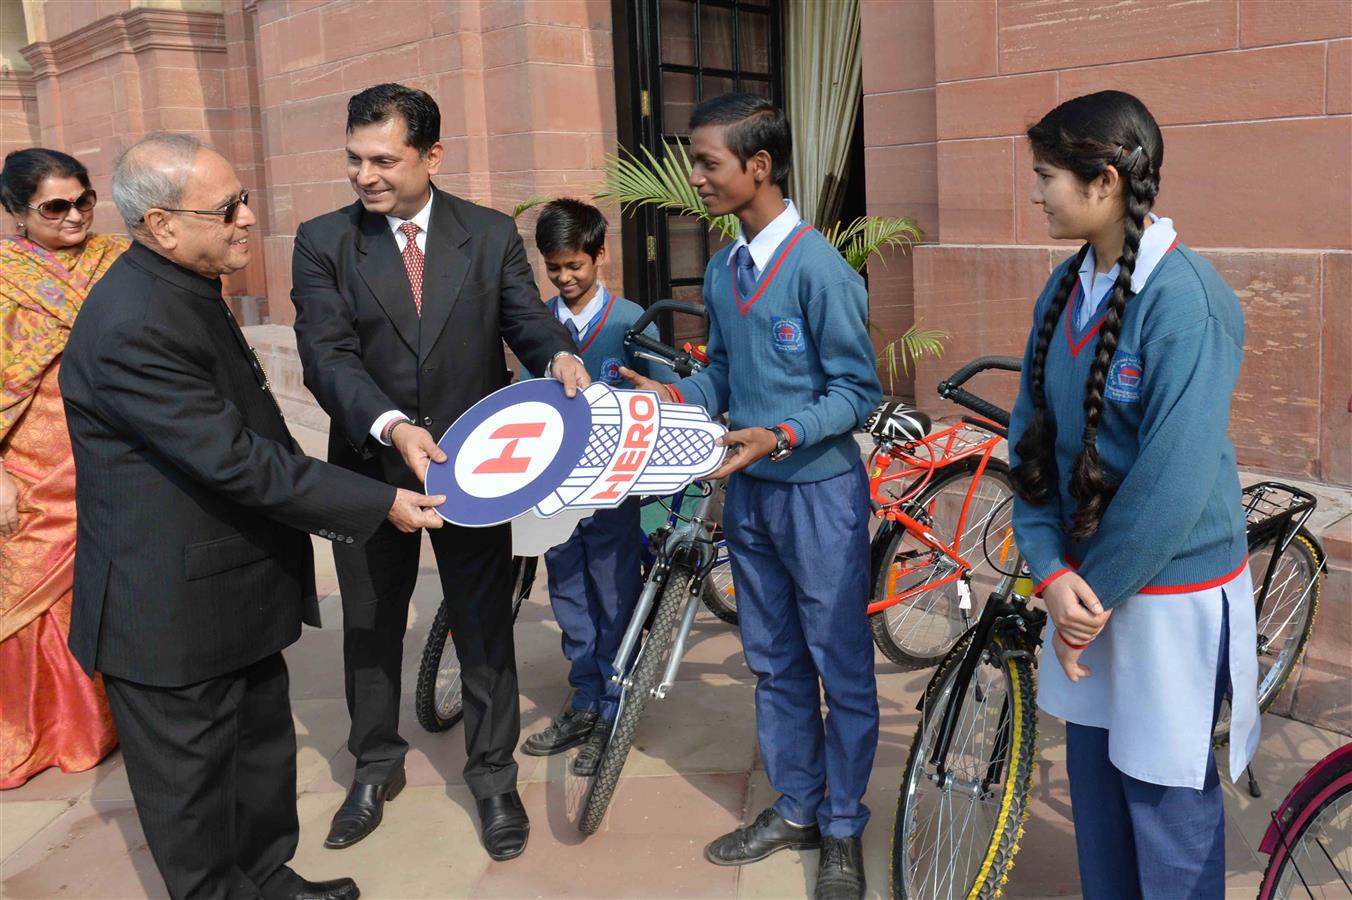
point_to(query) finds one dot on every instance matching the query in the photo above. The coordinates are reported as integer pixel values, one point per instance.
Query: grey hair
(153, 173)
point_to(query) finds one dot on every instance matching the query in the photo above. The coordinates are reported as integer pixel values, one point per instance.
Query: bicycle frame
(691, 540)
(969, 439)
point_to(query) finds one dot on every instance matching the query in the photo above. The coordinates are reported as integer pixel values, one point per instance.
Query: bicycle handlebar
(951, 387)
(680, 361)
(661, 306)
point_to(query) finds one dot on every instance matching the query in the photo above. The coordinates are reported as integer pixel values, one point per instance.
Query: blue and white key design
(528, 446)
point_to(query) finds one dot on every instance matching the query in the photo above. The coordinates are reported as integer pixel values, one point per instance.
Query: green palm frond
(898, 356)
(868, 235)
(530, 202)
(665, 183)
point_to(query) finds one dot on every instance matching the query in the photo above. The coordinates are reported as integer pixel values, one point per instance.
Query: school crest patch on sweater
(788, 334)
(1124, 378)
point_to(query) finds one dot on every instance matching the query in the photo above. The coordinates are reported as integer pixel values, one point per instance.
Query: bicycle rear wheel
(720, 594)
(1285, 621)
(917, 632)
(1316, 861)
(437, 699)
(647, 670)
(957, 836)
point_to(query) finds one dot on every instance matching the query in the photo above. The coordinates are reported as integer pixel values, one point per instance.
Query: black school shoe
(840, 870)
(589, 757)
(770, 833)
(566, 732)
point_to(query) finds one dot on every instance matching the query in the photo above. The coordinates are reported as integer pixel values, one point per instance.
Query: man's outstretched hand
(412, 510)
(417, 448)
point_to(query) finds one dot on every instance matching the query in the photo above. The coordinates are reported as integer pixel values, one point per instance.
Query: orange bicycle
(945, 502)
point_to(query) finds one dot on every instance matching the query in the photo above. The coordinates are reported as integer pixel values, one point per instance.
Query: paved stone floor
(694, 774)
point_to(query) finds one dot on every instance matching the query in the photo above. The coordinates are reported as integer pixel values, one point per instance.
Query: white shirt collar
(1155, 242)
(582, 318)
(422, 218)
(767, 241)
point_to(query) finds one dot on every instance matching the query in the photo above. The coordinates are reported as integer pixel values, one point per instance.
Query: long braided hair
(1086, 135)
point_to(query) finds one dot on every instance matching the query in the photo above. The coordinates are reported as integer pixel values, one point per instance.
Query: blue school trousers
(800, 559)
(594, 582)
(1141, 841)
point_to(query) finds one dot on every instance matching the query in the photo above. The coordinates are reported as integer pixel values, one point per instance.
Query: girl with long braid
(1128, 509)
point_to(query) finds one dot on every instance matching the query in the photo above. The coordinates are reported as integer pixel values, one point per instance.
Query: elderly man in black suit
(403, 300)
(193, 564)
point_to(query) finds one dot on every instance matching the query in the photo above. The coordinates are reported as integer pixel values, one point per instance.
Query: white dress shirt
(423, 218)
(768, 239)
(583, 318)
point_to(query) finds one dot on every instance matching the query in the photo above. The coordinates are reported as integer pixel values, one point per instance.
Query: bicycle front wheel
(647, 670)
(917, 632)
(1285, 620)
(438, 700)
(1316, 861)
(956, 834)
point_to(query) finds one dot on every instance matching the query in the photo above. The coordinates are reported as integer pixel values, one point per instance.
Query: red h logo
(507, 462)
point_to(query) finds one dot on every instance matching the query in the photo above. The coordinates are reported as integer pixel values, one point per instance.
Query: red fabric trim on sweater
(1070, 313)
(1042, 585)
(793, 435)
(768, 278)
(680, 398)
(599, 325)
(1182, 588)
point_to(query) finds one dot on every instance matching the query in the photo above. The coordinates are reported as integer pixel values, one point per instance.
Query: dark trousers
(1141, 841)
(594, 581)
(800, 559)
(377, 580)
(212, 768)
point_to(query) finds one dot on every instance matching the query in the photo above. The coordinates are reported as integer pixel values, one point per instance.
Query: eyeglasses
(228, 211)
(60, 207)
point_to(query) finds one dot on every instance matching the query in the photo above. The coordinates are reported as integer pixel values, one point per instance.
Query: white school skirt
(1153, 682)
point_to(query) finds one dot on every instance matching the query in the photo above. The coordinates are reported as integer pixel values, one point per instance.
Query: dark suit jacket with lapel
(192, 557)
(364, 348)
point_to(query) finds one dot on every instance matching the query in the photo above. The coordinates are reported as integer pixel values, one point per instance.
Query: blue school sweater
(1176, 523)
(603, 350)
(797, 353)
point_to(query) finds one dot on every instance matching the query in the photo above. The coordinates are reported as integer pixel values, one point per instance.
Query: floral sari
(51, 712)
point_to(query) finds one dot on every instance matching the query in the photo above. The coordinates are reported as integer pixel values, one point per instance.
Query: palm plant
(665, 183)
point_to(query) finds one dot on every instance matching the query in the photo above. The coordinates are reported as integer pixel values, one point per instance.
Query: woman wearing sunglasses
(51, 713)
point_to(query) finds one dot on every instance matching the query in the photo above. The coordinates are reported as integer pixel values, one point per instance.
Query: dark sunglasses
(228, 211)
(60, 208)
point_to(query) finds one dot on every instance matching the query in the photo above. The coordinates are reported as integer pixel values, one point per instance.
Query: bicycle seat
(895, 421)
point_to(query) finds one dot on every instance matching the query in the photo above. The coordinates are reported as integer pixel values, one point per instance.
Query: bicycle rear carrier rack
(892, 462)
(1272, 506)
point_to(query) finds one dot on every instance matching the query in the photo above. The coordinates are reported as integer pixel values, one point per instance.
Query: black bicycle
(964, 795)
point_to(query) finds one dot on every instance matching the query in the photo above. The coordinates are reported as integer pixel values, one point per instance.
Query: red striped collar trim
(598, 323)
(769, 276)
(1075, 348)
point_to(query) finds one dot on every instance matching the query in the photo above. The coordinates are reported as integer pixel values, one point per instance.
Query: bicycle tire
(647, 669)
(439, 659)
(1297, 567)
(897, 629)
(719, 595)
(994, 851)
(1284, 872)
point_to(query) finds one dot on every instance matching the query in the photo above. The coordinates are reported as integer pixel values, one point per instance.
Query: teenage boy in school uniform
(594, 576)
(792, 364)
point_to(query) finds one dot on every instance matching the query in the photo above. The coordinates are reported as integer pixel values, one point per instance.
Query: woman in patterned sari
(51, 713)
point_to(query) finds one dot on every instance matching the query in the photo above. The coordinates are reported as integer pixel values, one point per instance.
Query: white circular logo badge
(509, 450)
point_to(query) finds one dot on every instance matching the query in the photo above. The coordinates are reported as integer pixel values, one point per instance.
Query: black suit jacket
(192, 557)
(365, 350)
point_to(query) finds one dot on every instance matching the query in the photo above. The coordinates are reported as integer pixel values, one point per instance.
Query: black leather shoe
(505, 825)
(567, 731)
(840, 870)
(337, 889)
(589, 757)
(770, 833)
(362, 811)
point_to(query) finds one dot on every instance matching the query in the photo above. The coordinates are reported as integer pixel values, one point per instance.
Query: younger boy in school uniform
(791, 362)
(594, 576)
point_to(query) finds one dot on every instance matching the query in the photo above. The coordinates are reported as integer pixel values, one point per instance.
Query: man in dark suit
(403, 300)
(193, 566)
